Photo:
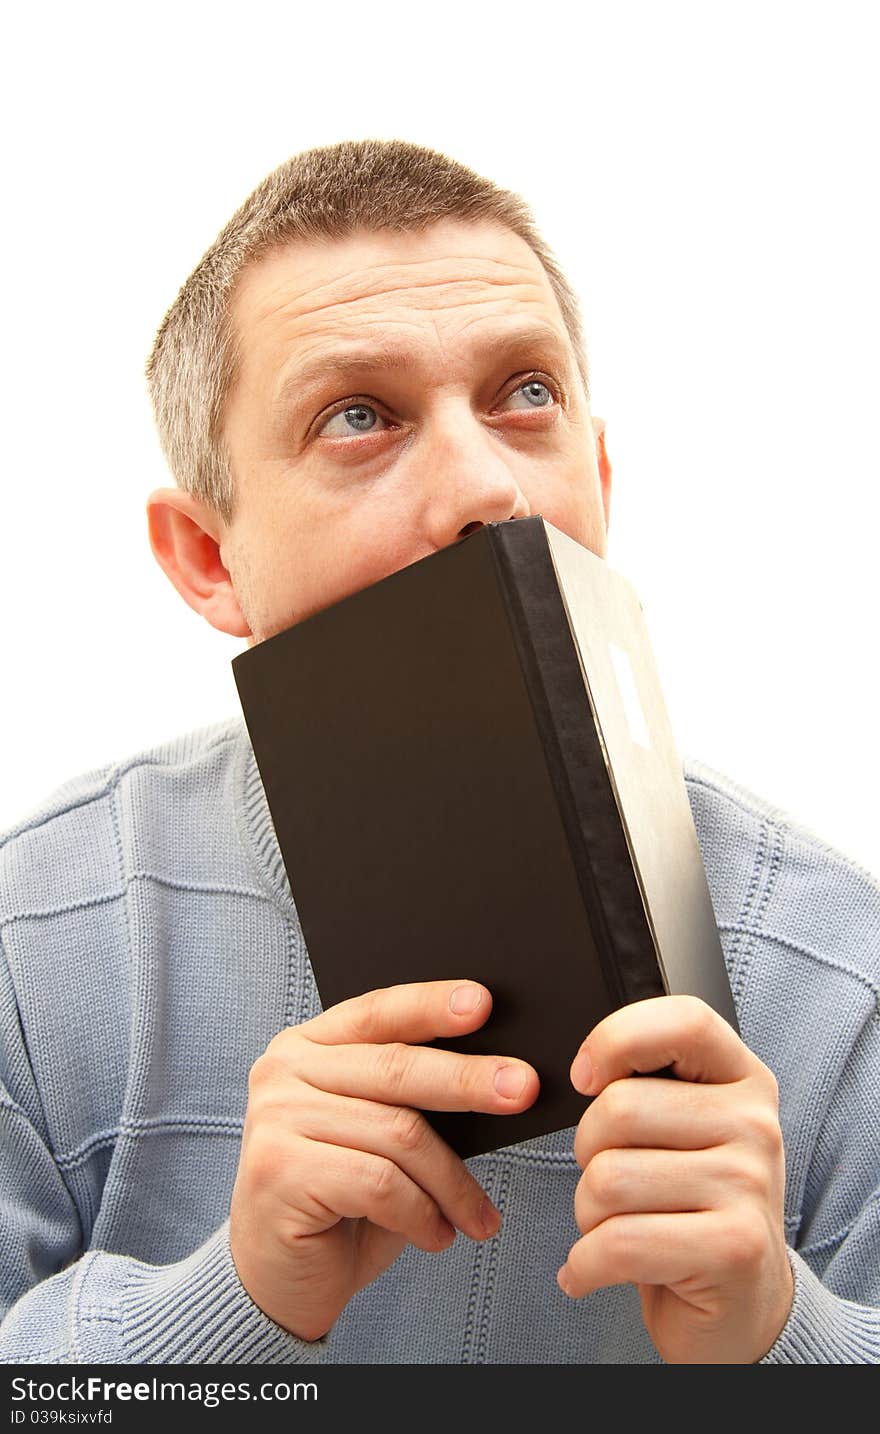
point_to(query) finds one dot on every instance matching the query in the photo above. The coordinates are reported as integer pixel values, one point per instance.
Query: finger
(651, 1249)
(398, 1074)
(417, 1012)
(629, 1182)
(675, 1115)
(405, 1137)
(354, 1184)
(677, 1031)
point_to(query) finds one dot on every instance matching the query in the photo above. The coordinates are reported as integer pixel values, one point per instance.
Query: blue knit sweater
(150, 951)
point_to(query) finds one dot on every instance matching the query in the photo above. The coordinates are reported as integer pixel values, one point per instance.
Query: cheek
(375, 534)
(330, 566)
(575, 507)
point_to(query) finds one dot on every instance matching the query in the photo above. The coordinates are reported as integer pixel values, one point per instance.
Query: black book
(471, 773)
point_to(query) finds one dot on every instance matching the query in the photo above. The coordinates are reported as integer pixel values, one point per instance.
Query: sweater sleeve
(111, 1309)
(835, 1314)
(60, 1305)
(823, 1328)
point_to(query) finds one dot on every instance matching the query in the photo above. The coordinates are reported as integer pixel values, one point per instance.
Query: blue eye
(361, 416)
(538, 393)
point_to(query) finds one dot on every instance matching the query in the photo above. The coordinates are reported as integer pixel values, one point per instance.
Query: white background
(708, 176)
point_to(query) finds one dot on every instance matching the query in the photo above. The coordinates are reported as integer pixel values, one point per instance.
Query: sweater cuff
(822, 1328)
(197, 1311)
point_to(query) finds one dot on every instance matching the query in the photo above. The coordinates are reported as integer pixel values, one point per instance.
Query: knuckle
(274, 1086)
(763, 1124)
(261, 1161)
(772, 1087)
(285, 1042)
(256, 1075)
(469, 1078)
(277, 1060)
(583, 1211)
(263, 1073)
(382, 1176)
(617, 1104)
(751, 1178)
(700, 1017)
(364, 1017)
(409, 1129)
(604, 1177)
(393, 1061)
(616, 1249)
(588, 1133)
(743, 1246)
(582, 1146)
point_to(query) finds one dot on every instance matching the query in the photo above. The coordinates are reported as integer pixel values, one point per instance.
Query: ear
(186, 537)
(604, 467)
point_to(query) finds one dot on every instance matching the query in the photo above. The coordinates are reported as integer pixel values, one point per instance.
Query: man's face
(395, 392)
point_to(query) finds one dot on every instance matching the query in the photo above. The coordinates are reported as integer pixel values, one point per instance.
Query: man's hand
(338, 1170)
(683, 1182)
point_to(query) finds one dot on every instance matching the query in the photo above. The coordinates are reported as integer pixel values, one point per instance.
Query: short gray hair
(326, 193)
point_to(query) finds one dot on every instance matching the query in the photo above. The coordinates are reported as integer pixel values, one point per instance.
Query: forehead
(453, 275)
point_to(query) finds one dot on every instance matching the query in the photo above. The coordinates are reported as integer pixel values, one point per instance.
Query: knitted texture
(150, 951)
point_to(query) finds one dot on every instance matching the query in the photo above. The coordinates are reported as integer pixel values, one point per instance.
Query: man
(378, 355)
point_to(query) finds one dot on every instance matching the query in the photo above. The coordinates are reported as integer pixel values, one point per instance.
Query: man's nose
(469, 481)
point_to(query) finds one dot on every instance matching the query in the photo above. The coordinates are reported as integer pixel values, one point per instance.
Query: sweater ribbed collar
(255, 823)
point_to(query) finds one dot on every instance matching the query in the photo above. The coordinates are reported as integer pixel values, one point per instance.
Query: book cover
(471, 773)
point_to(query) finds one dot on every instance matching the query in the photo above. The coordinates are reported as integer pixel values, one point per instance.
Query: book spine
(576, 764)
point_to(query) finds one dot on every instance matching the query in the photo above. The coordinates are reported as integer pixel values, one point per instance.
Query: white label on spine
(626, 684)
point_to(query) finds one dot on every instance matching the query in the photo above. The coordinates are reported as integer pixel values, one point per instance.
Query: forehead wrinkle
(429, 297)
(532, 313)
(353, 322)
(373, 329)
(476, 270)
(350, 288)
(422, 297)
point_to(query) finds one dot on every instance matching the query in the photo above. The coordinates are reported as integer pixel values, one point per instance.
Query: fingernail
(465, 999)
(582, 1071)
(510, 1081)
(490, 1217)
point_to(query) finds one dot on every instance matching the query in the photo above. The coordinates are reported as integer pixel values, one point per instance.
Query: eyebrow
(372, 356)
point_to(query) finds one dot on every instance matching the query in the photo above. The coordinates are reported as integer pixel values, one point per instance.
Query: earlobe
(185, 538)
(604, 465)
